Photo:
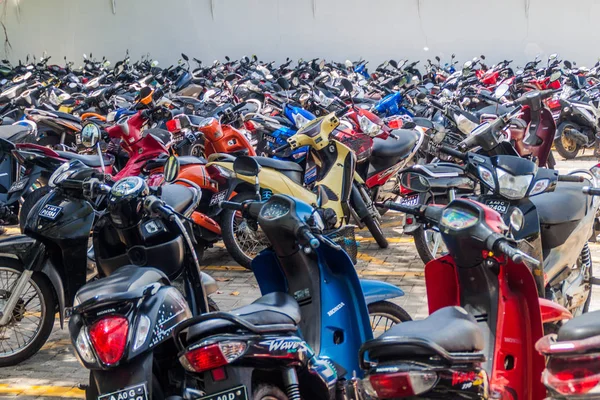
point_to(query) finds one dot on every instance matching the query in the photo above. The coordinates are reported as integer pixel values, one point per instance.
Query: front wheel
(32, 318)
(375, 229)
(566, 147)
(385, 314)
(242, 237)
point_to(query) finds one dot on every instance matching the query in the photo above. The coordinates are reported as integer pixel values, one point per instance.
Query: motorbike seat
(582, 327)
(393, 148)
(179, 197)
(288, 168)
(492, 109)
(567, 203)
(91, 160)
(451, 328)
(128, 278)
(67, 116)
(275, 308)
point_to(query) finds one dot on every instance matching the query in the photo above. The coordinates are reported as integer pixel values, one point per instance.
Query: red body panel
(552, 312)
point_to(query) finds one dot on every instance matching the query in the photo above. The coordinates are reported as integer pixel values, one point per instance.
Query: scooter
(485, 317)
(301, 337)
(347, 191)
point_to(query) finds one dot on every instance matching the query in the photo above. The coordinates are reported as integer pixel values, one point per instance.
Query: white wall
(335, 29)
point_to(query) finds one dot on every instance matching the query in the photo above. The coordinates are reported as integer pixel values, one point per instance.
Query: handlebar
(305, 233)
(591, 191)
(503, 247)
(231, 205)
(570, 178)
(342, 111)
(452, 152)
(281, 148)
(157, 206)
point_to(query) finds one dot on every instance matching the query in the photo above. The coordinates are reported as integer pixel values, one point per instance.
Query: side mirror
(415, 182)
(348, 63)
(295, 81)
(171, 169)
(145, 95)
(394, 64)
(227, 58)
(154, 64)
(230, 77)
(322, 197)
(90, 135)
(248, 166)
(501, 90)
(555, 76)
(482, 57)
(347, 86)
(84, 57)
(568, 64)
(438, 58)
(283, 83)
(185, 57)
(322, 65)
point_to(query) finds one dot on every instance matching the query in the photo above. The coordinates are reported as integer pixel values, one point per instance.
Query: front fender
(375, 291)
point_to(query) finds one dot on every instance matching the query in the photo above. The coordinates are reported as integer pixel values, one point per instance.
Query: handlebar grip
(71, 184)
(307, 235)
(280, 148)
(503, 247)
(591, 191)
(390, 205)
(231, 205)
(452, 152)
(570, 178)
(341, 112)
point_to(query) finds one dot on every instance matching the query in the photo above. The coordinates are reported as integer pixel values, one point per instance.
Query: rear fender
(134, 373)
(375, 291)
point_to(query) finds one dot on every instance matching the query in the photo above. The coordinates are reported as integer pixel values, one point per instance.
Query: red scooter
(478, 342)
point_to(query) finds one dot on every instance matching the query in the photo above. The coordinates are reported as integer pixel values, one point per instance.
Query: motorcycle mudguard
(375, 291)
(115, 381)
(552, 312)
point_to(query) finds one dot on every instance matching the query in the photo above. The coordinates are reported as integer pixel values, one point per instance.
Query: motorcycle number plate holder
(137, 392)
(412, 200)
(236, 393)
(498, 205)
(50, 212)
(218, 197)
(18, 185)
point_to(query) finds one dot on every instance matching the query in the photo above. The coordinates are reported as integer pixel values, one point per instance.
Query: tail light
(395, 123)
(109, 338)
(173, 125)
(212, 356)
(250, 125)
(399, 384)
(573, 376)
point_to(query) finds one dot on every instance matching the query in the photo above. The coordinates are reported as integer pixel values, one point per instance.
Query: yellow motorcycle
(346, 193)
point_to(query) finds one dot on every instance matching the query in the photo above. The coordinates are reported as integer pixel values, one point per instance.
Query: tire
(47, 311)
(571, 153)
(386, 309)
(228, 232)
(551, 162)
(421, 243)
(268, 392)
(212, 306)
(30, 201)
(375, 229)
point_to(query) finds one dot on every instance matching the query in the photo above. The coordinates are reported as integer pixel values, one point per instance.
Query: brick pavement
(55, 365)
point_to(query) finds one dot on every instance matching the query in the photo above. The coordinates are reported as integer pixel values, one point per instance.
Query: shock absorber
(292, 387)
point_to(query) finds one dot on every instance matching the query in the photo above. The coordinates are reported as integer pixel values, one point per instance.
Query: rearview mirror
(568, 64)
(171, 169)
(295, 81)
(246, 166)
(438, 58)
(348, 63)
(185, 57)
(553, 56)
(145, 95)
(322, 65)
(227, 58)
(285, 85)
(501, 90)
(415, 182)
(555, 76)
(90, 135)
(394, 64)
(230, 77)
(347, 85)
(154, 64)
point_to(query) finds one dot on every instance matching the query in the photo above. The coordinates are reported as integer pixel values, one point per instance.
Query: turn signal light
(399, 384)
(109, 338)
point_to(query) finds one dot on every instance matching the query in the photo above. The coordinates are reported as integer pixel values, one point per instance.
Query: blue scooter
(301, 338)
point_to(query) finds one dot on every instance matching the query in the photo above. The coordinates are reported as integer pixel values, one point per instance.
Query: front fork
(7, 312)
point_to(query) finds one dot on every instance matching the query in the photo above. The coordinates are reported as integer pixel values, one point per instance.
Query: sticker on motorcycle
(218, 197)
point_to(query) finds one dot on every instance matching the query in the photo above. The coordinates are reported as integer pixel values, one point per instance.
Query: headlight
(539, 186)
(367, 126)
(324, 100)
(513, 187)
(59, 175)
(487, 176)
(300, 120)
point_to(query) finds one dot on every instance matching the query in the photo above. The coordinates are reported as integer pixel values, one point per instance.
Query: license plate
(218, 197)
(19, 185)
(137, 392)
(410, 200)
(237, 393)
(50, 212)
(498, 205)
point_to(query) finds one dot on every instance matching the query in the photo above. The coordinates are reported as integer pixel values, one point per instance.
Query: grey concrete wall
(336, 29)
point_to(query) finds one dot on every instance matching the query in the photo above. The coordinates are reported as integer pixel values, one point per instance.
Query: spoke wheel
(384, 314)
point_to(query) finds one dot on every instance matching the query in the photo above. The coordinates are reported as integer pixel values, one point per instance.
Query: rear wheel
(385, 314)
(566, 147)
(242, 237)
(268, 392)
(551, 163)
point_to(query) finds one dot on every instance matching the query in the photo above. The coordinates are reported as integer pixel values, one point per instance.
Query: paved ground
(54, 371)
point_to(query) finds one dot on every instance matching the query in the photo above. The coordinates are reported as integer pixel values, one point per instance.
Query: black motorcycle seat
(567, 203)
(582, 327)
(125, 279)
(67, 116)
(451, 328)
(395, 148)
(179, 197)
(275, 308)
(7, 132)
(91, 160)
(183, 160)
(288, 168)
(492, 109)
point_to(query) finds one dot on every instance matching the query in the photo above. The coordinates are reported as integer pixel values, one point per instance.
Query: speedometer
(457, 219)
(274, 210)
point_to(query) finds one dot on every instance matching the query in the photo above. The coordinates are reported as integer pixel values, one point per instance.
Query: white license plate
(218, 197)
(237, 393)
(50, 212)
(410, 200)
(498, 205)
(19, 185)
(137, 392)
